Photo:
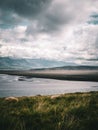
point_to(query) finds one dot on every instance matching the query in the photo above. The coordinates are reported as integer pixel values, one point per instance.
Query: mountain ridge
(40, 64)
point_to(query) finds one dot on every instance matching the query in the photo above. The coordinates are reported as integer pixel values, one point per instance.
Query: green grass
(77, 111)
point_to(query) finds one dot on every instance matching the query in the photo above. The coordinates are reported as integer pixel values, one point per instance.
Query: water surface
(22, 86)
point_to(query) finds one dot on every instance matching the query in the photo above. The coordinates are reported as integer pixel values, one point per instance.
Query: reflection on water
(22, 86)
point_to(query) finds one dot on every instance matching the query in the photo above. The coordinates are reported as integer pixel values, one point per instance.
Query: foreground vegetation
(77, 111)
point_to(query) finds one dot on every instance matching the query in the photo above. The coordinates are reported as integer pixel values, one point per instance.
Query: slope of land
(77, 111)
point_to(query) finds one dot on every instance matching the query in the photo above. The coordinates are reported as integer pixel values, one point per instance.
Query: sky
(60, 30)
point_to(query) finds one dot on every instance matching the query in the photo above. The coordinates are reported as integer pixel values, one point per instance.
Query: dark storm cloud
(24, 7)
(43, 16)
(13, 12)
(8, 19)
(55, 19)
(51, 20)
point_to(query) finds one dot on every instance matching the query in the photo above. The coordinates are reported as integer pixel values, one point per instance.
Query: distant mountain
(22, 64)
(83, 67)
(26, 64)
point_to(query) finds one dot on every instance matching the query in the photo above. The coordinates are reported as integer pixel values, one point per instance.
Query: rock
(39, 95)
(12, 99)
(55, 96)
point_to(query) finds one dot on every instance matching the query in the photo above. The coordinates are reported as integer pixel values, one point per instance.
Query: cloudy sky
(62, 30)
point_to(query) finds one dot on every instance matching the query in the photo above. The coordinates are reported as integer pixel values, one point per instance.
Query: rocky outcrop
(12, 99)
(55, 96)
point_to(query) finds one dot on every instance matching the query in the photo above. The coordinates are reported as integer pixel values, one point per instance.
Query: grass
(77, 111)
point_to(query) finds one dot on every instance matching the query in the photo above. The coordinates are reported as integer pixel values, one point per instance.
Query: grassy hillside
(77, 111)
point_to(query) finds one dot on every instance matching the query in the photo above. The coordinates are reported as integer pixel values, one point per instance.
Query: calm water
(22, 86)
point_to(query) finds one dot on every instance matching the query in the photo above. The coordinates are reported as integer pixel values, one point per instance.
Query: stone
(12, 99)
(55, 96)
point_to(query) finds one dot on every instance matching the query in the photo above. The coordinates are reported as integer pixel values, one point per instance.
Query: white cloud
(79, 46)
(61, 32)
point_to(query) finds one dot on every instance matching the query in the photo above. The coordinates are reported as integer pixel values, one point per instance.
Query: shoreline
(52, 96)
(71, 75)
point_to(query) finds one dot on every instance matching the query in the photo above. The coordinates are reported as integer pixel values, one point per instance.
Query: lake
(22, 86)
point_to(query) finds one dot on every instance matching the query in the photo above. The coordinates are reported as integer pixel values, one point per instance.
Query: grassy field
(77, 111)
